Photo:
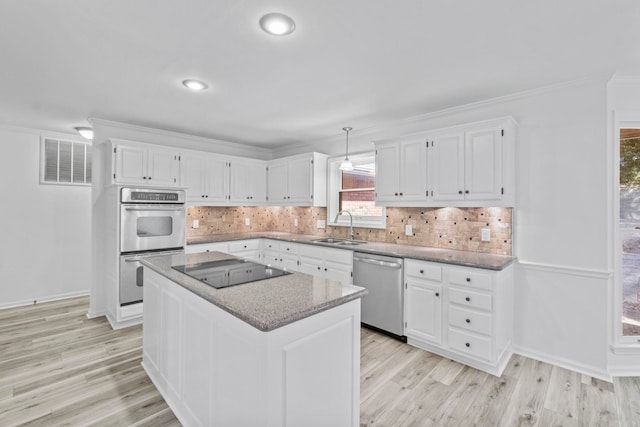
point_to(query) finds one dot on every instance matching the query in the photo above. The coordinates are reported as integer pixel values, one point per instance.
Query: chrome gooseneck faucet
(351, 234)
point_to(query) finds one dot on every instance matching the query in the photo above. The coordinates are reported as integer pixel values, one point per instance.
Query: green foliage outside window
(630, 162)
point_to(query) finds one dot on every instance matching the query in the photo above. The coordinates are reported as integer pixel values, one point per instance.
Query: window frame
(334, 185)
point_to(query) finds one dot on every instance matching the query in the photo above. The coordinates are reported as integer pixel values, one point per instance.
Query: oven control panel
(144, 195)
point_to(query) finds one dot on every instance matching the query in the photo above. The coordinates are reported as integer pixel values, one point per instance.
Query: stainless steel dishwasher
(383, 306)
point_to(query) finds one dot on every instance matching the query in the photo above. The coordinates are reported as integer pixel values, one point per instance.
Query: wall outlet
(485, 234)
(321, 223)
(295, 222)
(408, 230)
(247, 221)
(196, 223)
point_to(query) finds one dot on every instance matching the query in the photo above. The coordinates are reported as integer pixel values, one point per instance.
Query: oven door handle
(151, 208)
(138, 258)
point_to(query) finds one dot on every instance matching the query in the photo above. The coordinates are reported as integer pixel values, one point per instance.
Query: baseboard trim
(44, 299)
(563, 363)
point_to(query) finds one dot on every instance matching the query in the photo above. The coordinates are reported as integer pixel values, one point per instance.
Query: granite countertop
(448, 256)
(266, 304)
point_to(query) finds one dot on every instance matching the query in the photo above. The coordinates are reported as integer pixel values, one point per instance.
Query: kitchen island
(275, 352)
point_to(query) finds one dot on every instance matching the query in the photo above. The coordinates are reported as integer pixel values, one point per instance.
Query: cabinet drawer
(474, 279)
(470, 298)
(244, 245)
(470, 344)
(421, 270)
(338, 256)
(470, 320)
(310, 251)
(207, 247)
(272, 245)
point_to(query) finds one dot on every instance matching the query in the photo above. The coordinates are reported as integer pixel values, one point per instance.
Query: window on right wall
(354, 191)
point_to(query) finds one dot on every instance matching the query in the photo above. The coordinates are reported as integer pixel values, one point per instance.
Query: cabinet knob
(466, 191)
(437, 294)
(288, 197)
(202, 196)
(395, 194)
(318, 268)
(460, 192)
(287, 248)
(149, 178)
(245, 246)
(401, 194)
(207, 196)
(467, 344)
(421, 271)
(468, 279)
(468, 320)
(467, 299)
(325, 269)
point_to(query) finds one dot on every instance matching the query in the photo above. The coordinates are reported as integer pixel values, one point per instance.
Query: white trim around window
(333, 190)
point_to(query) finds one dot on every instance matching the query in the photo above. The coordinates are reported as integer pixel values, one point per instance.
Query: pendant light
(346, 164)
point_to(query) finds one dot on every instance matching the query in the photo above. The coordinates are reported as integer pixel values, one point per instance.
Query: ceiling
(359, 63)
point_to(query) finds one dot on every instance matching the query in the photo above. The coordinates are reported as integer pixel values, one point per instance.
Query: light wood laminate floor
(59, 368)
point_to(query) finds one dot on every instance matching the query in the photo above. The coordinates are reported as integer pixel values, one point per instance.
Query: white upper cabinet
(247, 182)
(206, 177)
(298, 180)
(446, 157)
(145, 164)
(469, 165)
(401, 172)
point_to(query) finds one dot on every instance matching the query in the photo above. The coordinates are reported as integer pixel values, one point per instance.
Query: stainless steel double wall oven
(152, 222)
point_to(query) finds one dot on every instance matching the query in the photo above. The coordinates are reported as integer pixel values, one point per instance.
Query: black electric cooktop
(229, 272)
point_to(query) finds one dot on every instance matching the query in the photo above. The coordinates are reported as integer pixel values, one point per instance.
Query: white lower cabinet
(465, 314)
(213, 369)
(335, 264)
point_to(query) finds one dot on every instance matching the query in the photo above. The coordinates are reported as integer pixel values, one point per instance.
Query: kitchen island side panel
(230, 373)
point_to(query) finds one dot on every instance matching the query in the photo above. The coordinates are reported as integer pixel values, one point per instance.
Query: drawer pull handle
(318, 268)
(467, 344)
(421, 271)
(467, 299)
(437, 294)
(468, 279)
(468, 320)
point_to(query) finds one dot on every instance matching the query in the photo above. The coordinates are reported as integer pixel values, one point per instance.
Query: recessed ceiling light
(85, 132)
(277, 24)
(195, 84)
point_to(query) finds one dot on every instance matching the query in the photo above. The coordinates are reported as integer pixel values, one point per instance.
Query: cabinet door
(423, 304)
(240, 176)
(336, 271)
(387, 175)
(310, 265)
(131, 165)
(300, 182)
(193, 177)
(216, 179)
(258, 184)
(483, 164)
(446, 163)
(277, 189)
(163, 167)
(413, 170)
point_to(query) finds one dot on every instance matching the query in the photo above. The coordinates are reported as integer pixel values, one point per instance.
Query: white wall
(46, 246)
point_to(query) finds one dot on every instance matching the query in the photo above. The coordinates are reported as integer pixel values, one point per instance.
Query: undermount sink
(339, 242)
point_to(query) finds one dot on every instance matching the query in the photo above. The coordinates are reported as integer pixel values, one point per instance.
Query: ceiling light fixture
(85, 132)
(195, 84)
(277, 24)
(346, 164)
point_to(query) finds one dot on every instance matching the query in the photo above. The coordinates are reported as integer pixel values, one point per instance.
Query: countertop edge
(306, 239)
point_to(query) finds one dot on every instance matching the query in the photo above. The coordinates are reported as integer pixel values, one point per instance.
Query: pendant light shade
(346, 164)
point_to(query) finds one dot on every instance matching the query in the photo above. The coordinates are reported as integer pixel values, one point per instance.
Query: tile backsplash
(450, 228)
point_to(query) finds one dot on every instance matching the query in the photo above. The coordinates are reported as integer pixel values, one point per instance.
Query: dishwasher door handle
(378, 263)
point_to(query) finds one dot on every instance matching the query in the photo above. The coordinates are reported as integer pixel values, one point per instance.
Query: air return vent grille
(65, 162)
